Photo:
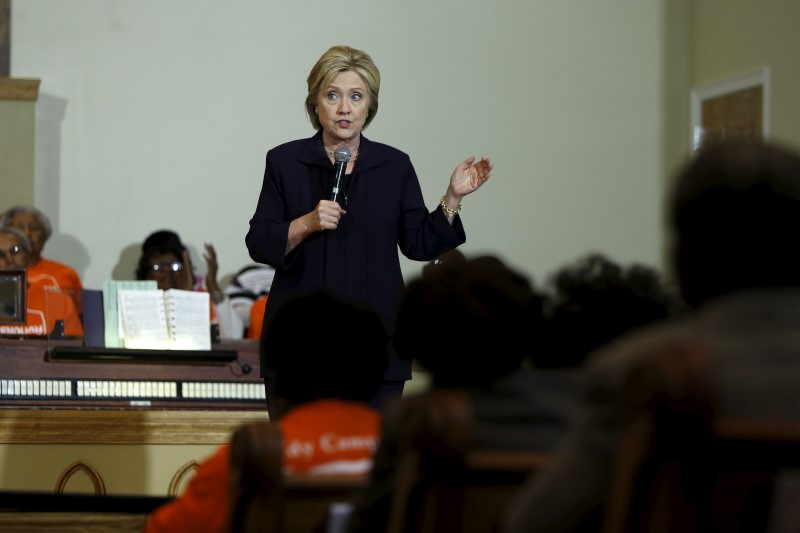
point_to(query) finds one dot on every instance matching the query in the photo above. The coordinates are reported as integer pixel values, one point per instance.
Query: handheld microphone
(340, 157)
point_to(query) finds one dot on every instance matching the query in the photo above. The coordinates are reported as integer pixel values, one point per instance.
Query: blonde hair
(336, 60)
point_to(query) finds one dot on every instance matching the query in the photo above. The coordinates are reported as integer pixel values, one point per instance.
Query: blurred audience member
(45, 305)
(450, 257)
(733, 212)
(484, 307)
(315, 395)
(585, 305)
(43, 272)
(472, 324)
(593, 300)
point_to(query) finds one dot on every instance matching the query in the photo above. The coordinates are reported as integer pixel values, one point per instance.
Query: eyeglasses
(175, 266)
(11, 252)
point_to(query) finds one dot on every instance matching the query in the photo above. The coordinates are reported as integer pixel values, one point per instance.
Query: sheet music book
(165, 320)
(112, 323)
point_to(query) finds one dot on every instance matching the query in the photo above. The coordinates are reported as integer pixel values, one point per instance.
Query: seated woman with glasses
(166, 260)
(43, 271)
(45, 306)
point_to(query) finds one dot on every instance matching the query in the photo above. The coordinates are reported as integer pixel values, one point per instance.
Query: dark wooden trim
(5, 37)
(105, 426)
(19, 89)
(24, 501)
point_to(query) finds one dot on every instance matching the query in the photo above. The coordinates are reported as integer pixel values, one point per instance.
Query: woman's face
(166, 270)
(343, 108)
(29, 225)
(11, 253)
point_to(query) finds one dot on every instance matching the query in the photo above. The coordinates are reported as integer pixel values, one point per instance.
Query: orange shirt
(329, 437)
(257, 317)
(212, 311)
(324, 436)
(44, 306)
(50, 273)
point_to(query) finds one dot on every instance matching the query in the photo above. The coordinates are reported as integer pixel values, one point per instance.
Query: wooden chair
(265, 500)
(682, 468)
(442, 483)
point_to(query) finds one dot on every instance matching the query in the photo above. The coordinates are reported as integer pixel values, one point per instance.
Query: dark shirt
(360, 259)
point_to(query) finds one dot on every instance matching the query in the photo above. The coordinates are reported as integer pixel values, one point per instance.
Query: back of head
(449, 257)
(320, 346)
(734, 211)
(594, 300)
(469, 323)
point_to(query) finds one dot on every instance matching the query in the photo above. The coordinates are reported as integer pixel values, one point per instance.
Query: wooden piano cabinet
(142, 447)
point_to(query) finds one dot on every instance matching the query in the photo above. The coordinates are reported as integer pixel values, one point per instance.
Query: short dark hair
(593, 300)
(734, 212)
(164, 238)
(469, 323)
(322, 346)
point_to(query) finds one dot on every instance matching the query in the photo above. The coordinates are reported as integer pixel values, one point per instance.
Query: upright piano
(131, 422)
(41, 374)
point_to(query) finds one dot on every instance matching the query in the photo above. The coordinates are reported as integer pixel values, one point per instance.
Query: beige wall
(159, 115)
(732, 37)
(17, 141)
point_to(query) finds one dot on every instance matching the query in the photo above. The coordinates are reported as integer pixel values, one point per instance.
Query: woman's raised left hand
(470, 175)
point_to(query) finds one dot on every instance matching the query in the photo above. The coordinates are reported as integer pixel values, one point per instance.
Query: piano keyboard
(136, 391)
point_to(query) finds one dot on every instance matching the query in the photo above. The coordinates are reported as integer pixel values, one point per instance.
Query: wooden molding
(19, 89)
(176, 484)
(85, 468)
(72, 522)
(108, 426)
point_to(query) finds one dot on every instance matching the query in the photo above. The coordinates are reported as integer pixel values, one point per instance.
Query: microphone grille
(342, 154)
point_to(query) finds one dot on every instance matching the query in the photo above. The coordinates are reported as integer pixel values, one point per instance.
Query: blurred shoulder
(614, 359)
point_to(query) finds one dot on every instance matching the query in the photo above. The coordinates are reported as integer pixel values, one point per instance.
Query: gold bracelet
(447, 211)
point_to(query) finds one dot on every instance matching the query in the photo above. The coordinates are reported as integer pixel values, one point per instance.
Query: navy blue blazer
(359, 260)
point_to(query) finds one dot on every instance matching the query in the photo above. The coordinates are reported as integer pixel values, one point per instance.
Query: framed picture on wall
(13, 295)
(734, 107)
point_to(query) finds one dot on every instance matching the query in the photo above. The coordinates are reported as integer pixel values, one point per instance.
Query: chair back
(263, 499)
(442, 482)
(682, 467)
